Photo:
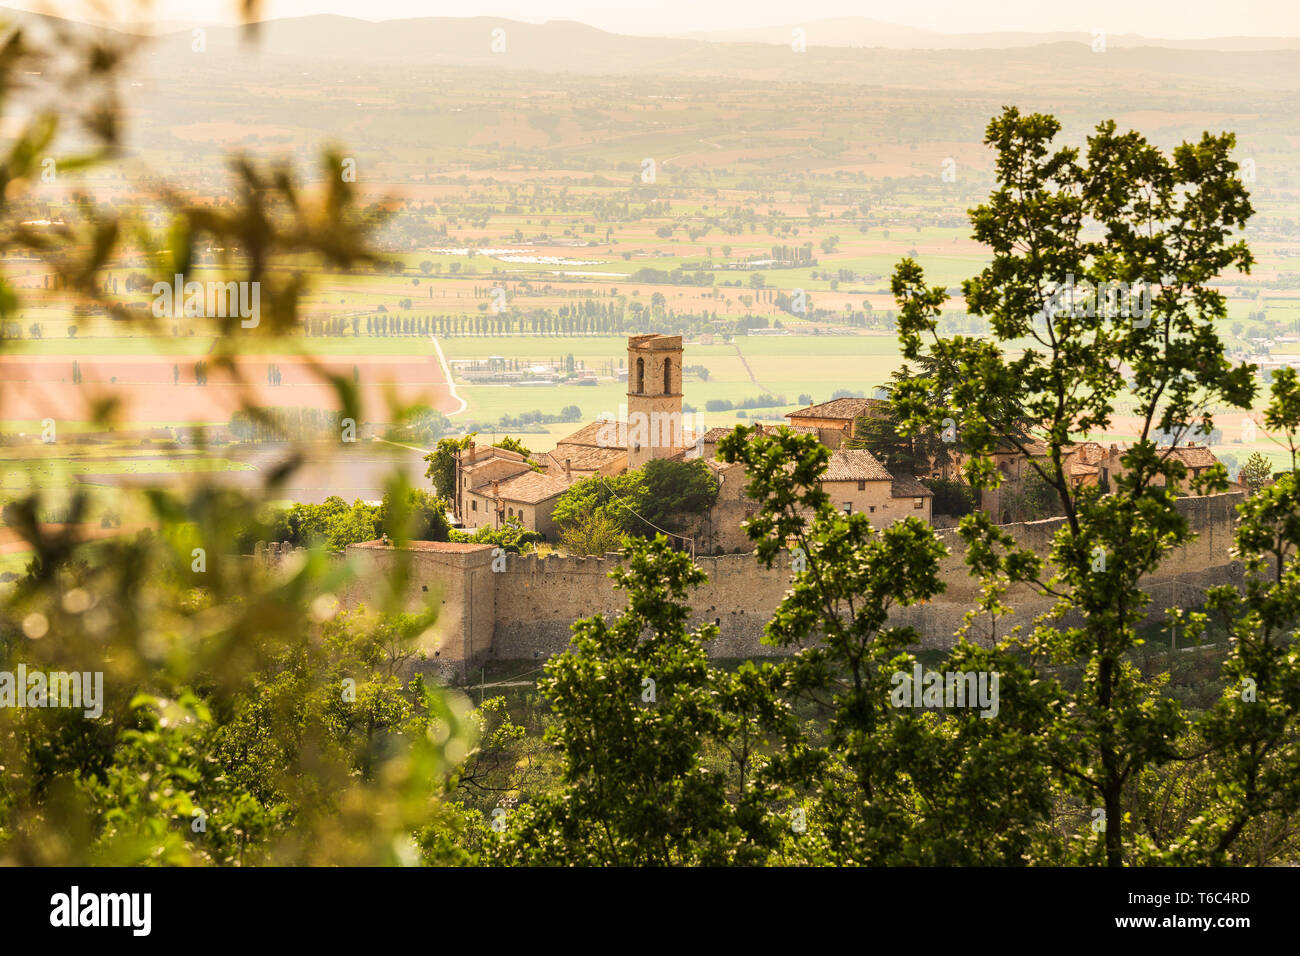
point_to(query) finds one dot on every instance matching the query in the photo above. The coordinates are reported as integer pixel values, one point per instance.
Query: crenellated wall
(522, 607)
(538, 599)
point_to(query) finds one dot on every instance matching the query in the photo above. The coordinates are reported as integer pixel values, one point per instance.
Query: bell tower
(654, 398)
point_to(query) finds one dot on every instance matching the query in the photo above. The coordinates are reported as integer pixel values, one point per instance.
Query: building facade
(654, 398)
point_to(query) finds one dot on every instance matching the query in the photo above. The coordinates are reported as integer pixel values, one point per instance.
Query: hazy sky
(1156, 18)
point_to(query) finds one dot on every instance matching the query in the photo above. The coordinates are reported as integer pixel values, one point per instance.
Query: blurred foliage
(244, 719)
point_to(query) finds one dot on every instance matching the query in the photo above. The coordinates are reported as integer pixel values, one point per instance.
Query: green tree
(1165, 220)
(591, 535)
(442, 464)
(227, 706)
(1251, 736)
(513, 444)
(412, 514)
(952, 497)
(618, 498)
(889, 785)
(633, 707)
(1256, 473)
(512, 536)
(677, 490)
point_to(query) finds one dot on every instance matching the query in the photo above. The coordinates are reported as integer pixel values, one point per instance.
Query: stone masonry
(498, 606)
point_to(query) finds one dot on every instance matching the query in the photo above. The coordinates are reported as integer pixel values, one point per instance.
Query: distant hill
(865, 32)
(902, 58)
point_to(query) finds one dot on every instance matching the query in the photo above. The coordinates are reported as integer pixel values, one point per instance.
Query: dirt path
(451, 384)
(748, 371)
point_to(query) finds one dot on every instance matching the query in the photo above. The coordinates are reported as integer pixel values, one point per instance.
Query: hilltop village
(494, 485)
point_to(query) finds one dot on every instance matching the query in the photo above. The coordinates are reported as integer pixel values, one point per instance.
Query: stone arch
(640, 376)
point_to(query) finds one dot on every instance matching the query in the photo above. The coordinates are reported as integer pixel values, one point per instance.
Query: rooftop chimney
(567, 475)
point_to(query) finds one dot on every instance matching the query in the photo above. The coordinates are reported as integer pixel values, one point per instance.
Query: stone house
(858, 482)
(1196, 458)
(834, 420)
(1086, 464)
(599, 448)
(494, 485)
(1015, 468)
(854, 478)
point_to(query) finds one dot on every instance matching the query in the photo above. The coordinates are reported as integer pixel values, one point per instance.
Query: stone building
(1015, 469)
(654, 398)
(596, 449)
(857, 482)
(494, 485)
(1086, 464)
(834, 420)
(1196, 458)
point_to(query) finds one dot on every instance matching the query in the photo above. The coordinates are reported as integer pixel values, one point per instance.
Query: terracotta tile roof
(1036, 448)
(584, 457)
(528, 488)
(905, 486)
(1193, 456)
(1087, 453)
(598, 434)
(843, 408)
(855, 464)
(518, 468)
(485, 453)
(797, 429)
(715, 435)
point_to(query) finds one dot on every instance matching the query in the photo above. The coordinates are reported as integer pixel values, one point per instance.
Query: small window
(640, 376)
(848, 507)
(871, 508)
(473, 506)
(668, 376)
(862, 486)
(918, 503)
(510, 512)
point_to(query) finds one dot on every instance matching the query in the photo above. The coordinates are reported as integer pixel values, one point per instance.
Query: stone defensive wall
(497, 606)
